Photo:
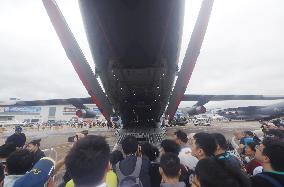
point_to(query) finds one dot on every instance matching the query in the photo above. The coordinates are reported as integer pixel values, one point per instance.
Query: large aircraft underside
(135, 46)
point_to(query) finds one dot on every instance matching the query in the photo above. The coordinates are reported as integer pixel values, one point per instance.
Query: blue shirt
(246, 140)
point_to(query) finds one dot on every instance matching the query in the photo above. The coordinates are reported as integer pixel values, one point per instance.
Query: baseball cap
(38, 175)
(18, 129)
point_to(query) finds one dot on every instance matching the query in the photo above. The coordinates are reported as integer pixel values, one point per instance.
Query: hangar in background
(40, 113)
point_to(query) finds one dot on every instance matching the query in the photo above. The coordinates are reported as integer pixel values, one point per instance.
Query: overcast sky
(242, 53)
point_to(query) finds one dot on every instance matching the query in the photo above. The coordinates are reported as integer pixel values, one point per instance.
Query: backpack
(131, 180)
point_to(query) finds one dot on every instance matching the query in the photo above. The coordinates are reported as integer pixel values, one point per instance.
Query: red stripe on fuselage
(60, 25)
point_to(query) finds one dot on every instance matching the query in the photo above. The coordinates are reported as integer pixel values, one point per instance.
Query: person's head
(39, 175)
(2, 175)
(85, 132)
(6, 149)
(129, 145)
(18, 129)
(204, 145)
(249, 134)
(115, 157)
(78, 136)
(270, 153)
(239, 135)
(34, 145)
(19, 162)
(190, 138)
(19, 141)
(170, 166)
(270, 126)
(88, 161)
(210, 172)
(180, 137)
(250, 149)
(169, 146)
(150, 151)
(221, 143)
(275, 133)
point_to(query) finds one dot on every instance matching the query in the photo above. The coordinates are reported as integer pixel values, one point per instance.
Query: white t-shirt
(257, 170)
(187, 159)
(9, 180)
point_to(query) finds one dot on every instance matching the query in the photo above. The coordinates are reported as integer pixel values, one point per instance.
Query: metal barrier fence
(52, 153)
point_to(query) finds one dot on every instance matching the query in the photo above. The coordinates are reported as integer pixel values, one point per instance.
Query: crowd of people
(24, 164)
(197, 160)
(183, 160)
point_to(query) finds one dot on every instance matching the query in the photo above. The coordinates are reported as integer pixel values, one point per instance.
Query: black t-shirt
(38, 155)
(258, 181)
(156, 177)
(1, 172)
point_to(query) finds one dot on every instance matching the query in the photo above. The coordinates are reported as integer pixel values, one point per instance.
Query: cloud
(242, 52)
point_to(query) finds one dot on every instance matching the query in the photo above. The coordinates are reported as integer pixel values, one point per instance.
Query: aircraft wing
(77, 102)
(207, 98)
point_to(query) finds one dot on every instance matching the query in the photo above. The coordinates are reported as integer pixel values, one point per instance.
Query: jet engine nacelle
(196, 110)
(82, 113)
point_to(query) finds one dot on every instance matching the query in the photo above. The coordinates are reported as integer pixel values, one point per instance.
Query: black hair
(115, 157)
(268, 140)
(276, 133)
(252, 145)
(170, 146)
(18, 139)
(253, 135)
(19, 162)
(276, 122)
(35, 142)
(230, 146)
(274, 150)
(6, 149)
(214, 173)
(170, 164)
(220, 140)
(150, 151)
(206, 142)
(88, 160)
(249, 133)
(2, 175)
(182, 136)
(129, 145)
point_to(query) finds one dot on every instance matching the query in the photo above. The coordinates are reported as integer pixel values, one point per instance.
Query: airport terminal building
(40, 113)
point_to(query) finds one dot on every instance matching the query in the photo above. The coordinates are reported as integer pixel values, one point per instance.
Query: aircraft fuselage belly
(135, 45)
